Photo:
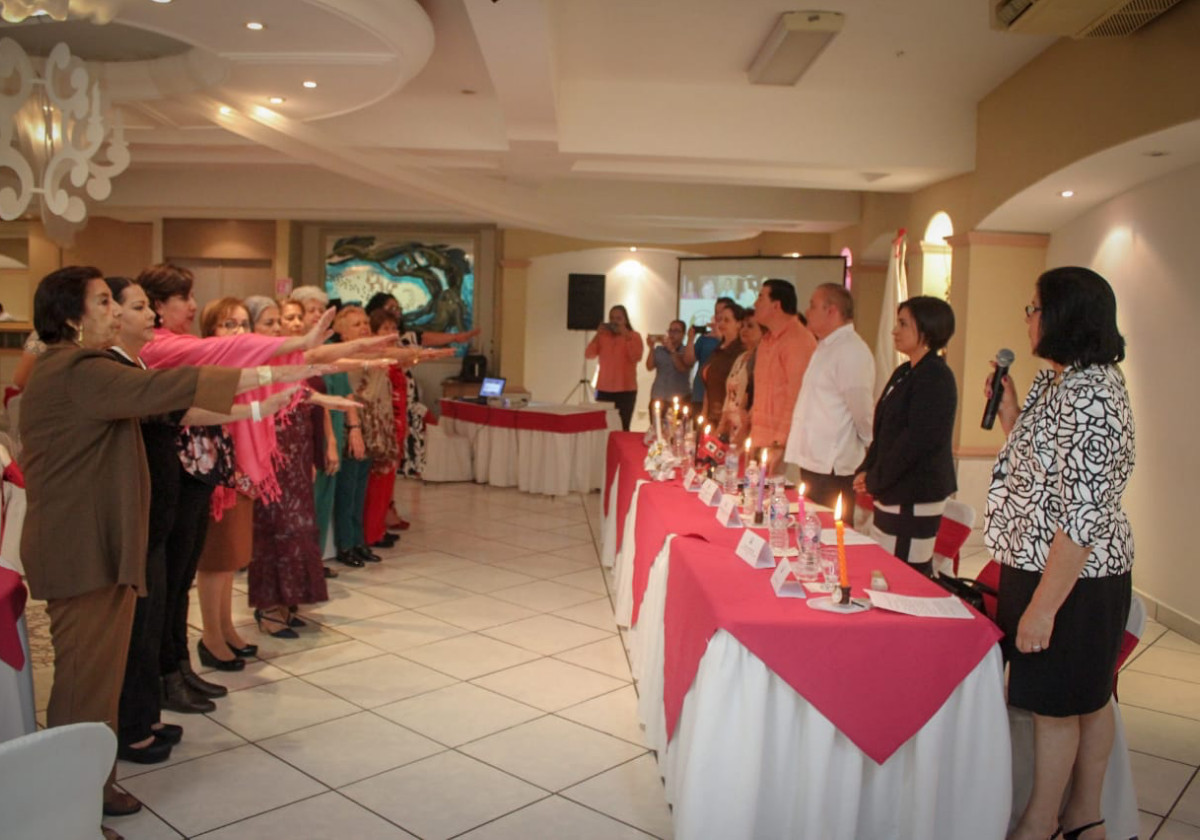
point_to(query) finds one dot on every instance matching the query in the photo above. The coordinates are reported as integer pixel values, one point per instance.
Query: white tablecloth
(534, 461)
(17, 716)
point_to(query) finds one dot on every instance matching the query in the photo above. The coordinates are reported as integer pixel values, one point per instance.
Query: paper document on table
(829, 537)
(948, 607)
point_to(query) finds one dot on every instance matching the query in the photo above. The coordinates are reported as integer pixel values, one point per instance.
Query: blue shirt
(705, 345)
(669, 381)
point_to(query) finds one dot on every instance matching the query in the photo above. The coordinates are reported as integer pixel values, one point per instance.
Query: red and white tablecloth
(775, 720)
(541, 448)
(16, 680)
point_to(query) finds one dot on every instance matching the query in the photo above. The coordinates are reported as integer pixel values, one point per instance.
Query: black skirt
(1074, 675)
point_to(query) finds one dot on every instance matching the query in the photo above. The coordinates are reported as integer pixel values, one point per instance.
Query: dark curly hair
(1079, 318)
(59, 299)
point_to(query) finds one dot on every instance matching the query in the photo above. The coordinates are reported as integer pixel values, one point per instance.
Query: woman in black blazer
(909, 468)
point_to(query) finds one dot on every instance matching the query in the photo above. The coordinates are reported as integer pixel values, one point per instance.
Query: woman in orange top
(619, 349)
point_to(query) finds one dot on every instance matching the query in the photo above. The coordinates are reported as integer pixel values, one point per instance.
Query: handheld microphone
(1004, 358)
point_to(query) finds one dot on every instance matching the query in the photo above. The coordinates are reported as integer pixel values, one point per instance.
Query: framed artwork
(433, 281)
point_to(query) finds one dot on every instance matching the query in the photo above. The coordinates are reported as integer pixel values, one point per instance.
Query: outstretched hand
(320, 331)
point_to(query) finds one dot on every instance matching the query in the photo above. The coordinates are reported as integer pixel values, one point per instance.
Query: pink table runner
(877, 676)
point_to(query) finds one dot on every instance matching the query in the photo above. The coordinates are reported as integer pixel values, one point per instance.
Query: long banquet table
(541, 448)
(772, 719)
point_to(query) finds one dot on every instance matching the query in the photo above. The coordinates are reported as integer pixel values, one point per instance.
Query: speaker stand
(584, 386)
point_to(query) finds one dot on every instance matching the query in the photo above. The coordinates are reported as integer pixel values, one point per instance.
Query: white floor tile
(480, 577)
(469, 656)
(542, 565)
(614, 713)
(541, 541)
(1166, 662)
(373, 574)
(1162, 735)
(1173, 641)
(218, 789)
(401, 631)
(555, 817)
(346, 604)
(458, 713)
(551, 752)
(278, 707)
(547, 634)
(1147, 824)
(444, 795)
(417, 592)
(201, 736)
(1158, 781)
(589, 580)
(606, 656)
(318, 659)
(1160, 694)
(144, 825)
(632, 793)
(432, 562)
(578, 531)
(311, 637)
(544, 596)
(323, 817)
(1188, 808)
(349, 749)
(548, 684)
(255, 672)
(1175, 830)
(477, 612)
(597, 613)
(584, 553)
(374, 682)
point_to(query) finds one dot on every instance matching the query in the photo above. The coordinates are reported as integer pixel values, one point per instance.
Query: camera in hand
(700, 329)
(609, 325)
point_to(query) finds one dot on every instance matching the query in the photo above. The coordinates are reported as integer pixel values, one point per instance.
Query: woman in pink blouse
(619, 350)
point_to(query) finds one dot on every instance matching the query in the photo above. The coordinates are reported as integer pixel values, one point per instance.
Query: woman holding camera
(618, 349)
(666, 359)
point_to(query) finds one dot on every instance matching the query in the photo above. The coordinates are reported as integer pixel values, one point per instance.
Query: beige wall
(1145, 244)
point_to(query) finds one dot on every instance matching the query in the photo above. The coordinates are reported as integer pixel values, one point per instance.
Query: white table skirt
(17, 715)
(534, 461)
(751, 758)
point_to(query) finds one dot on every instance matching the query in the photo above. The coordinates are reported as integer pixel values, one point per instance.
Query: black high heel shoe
(245, 651)
(209, 661)
(264, 620)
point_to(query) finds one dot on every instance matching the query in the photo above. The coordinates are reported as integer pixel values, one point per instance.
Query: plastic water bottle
(731, 471)
(751, 498)
(808, 533)
(778, 518)
(689, 446)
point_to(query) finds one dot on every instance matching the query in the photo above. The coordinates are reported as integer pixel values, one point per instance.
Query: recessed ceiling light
(633, 248)
(310, 84)
(164, 2)
(276, 100)
(225, 110)
(794, 255)
(255, 25)
(1067, 193)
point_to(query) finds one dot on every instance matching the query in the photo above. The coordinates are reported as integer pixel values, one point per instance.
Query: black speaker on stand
(585, 311)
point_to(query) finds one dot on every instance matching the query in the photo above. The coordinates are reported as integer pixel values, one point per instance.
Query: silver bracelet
(256, 409)
(264, 375)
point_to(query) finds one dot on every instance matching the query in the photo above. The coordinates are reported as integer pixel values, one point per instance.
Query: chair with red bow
(952, 534)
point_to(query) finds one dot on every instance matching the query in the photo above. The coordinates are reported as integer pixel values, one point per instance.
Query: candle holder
(843, 595)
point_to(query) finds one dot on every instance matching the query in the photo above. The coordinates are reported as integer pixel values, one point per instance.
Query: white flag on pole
(895, 292)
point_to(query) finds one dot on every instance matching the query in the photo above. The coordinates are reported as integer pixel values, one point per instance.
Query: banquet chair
(52, 782)
(956, 526)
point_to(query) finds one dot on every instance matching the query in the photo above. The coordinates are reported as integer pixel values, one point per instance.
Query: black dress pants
(625, 402)
(824, 490)
(183, 546)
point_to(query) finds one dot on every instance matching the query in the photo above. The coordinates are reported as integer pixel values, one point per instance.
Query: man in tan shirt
(782, 357)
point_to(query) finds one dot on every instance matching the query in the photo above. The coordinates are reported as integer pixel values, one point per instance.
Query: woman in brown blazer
(84, 541)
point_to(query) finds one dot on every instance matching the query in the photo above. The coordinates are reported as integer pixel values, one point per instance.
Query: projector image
(515, 401)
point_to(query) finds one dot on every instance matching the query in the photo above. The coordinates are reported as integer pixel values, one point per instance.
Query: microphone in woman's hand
(1004, 358)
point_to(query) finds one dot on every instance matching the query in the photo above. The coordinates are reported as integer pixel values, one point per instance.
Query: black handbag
(970, 591)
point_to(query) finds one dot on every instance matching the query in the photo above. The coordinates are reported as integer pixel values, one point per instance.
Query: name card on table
(710, 492)
(754, 550)
(727, 512)
(689, 481)
(784, 582)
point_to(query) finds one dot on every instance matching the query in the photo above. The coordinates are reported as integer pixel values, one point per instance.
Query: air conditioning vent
(1077, 18)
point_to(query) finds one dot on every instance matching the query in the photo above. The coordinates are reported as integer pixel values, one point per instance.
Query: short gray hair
(256, 305)
(303, 293)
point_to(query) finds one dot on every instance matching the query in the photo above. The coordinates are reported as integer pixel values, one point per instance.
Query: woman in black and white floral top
(1055, 522)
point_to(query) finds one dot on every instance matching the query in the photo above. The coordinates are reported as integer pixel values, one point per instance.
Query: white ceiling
(598, 118)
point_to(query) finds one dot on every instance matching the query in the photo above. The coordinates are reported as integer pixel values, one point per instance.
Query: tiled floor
(473, 685)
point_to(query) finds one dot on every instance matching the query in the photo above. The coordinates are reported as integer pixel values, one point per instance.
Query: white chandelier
(55, 142)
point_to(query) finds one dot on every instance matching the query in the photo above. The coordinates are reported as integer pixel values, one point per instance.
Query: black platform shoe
(198, 684)
(208, 660)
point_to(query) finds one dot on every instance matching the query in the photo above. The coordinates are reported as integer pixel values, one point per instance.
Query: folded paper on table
(947, 607)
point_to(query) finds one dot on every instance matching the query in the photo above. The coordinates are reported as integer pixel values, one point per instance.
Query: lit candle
(800, 508)
(843, 574)
(686, 410)
(658, 419)
(762, 477)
